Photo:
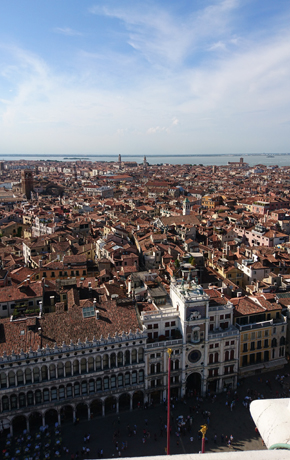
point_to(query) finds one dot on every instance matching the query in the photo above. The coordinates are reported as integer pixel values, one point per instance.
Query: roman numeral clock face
(194, 356)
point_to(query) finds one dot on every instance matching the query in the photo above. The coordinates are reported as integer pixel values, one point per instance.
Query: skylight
(88, 312)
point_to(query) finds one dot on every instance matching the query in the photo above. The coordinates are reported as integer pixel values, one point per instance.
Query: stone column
(103, 409)
(89, 413)
(131, 402)
(27, 425)
(117, 406)
(59, 419)
(43, 419)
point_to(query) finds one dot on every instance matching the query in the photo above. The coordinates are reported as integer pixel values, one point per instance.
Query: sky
(160, 77)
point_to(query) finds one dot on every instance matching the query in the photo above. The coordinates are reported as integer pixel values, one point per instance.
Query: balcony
(164, 344)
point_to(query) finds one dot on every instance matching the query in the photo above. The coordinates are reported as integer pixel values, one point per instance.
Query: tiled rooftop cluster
(93, 250)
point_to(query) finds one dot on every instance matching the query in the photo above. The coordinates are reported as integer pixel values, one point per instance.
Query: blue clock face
(194, 356)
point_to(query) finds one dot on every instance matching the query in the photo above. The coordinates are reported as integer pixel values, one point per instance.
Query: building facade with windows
(262, 328)
(83, 360)
(74, 379)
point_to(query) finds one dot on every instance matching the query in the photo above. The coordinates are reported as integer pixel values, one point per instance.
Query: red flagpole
(169, 351)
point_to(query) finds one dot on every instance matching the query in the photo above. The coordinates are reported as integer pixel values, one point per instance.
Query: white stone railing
(272, 418)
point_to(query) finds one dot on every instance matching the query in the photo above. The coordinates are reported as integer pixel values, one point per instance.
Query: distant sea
(280, 159)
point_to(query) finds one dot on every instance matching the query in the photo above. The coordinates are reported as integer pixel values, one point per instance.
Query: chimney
(40, 263)
(81, 284)
(90, 286)
(95, 303)
(51, 300)
(28, 280)
(97, 314)
(40, 307)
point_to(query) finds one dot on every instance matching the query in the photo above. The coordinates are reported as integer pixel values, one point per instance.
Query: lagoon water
(218, 160)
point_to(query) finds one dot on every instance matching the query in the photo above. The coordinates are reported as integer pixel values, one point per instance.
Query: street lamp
(169, 351)
(203, 430)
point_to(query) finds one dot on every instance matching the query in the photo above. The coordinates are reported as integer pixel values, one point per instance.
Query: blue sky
(150, 77)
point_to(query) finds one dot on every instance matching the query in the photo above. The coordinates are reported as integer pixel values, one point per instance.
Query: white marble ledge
(232, 455)
(272, 418)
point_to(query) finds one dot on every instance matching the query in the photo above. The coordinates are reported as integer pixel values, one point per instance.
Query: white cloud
(67, 31)
(181, 96)
(158, 129)
(162, 39)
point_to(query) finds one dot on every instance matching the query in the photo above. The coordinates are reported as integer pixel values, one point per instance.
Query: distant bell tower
(119, 159)
(186, 207)
(145, 164)
(75, 173)
(27, 182)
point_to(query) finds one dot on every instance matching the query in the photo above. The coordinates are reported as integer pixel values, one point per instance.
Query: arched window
(20, 379)
(113, 360)
(106, 362)
(210, 361)
(22, 400)
(76, 389)
(232, 354)
(13, 402)
(98, 363)
(76, 367)
(274, 342)
(158, 368)
(68, 369)
(38, 397)
(120, 359)
(30, 399)
(60, 370)
(127, 378)
(53, 394)
(92, 386)
(84, 388)
(69, 391)
(61, 392)
(28, 375)
(83, 366)
(216, 357)
(140, 355)
(44, 373)
(134, 356)
(5, 403)
(106, 383)
(91, 364)
(52, 372)
(120, 381)
(11, 378)
(99, 385)
(113, 382)
(36, 374)
(176, 364)
(3, 380)
(127, 357)
(141, 376)
(134, 377)
(45, 395)
(227, 355)
(282, 340)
